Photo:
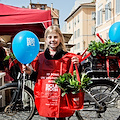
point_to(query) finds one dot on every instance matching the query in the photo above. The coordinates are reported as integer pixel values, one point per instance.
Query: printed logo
(30, 42)
(51, 87)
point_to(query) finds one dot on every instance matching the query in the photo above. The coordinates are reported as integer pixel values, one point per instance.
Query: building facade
(81, 22)
(55, 21)
(107, 13)
(54, 12)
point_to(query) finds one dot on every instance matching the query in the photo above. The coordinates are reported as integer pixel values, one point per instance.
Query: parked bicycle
(102, 96)
(19, 102)
(102, 100)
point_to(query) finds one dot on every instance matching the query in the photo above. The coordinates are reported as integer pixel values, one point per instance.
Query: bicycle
(102, 99)
(19, 104)
(102, 96)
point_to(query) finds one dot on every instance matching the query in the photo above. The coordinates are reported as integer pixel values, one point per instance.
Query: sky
(64, 6)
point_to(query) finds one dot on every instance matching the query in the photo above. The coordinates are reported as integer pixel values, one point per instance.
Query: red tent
(15, 19)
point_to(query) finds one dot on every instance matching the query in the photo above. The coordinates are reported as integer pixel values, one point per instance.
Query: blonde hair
(57, 30)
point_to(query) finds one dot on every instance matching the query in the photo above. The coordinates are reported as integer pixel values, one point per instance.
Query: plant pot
(75, 101)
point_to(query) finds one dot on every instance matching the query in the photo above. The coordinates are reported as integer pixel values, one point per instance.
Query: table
(2, 95)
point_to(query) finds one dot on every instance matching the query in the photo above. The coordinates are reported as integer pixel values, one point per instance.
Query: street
(37, 117)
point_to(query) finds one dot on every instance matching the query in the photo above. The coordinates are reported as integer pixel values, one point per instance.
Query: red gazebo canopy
(15, 19)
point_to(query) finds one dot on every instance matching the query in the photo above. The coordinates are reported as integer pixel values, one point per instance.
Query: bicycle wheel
(107, 93)
(22, 110)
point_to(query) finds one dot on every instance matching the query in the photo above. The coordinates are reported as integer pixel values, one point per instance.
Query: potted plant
(107, 48)
(105, 55)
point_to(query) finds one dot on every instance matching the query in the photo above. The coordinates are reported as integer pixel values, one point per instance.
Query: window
(78, 33)
(107, 36)
(117, 6)
(75, 34)
(78, 19)
(75, 21)
(93, 30)
(93, 15)
(42, 7)
(77, 45)
(108, 11)
(99, 15)
(33, 7)
(52, 21)
(69, 25)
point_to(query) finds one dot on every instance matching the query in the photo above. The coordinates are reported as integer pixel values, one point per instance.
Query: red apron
(48, 99)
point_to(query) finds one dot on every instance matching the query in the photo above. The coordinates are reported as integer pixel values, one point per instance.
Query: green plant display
(69, 83)
(104, 49)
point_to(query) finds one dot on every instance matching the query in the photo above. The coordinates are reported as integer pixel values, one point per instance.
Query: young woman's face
(53, 40)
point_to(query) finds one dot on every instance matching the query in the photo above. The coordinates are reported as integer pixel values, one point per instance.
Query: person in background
(2, 57)
(14, 65)
(54, 61)
(4, 64)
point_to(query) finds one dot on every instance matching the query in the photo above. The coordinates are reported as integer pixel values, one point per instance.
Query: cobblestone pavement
(37, 117)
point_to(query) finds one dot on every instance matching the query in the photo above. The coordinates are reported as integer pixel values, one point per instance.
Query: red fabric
(15, 19)
(75, 101)
(85, 57)
(34, 62)
(48, 99)
(77, 73)
(107, 65)
(8, 78)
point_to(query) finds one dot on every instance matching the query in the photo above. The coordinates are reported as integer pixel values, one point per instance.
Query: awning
(15, 19)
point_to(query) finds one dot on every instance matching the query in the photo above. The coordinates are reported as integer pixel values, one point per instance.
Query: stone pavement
(37, 117)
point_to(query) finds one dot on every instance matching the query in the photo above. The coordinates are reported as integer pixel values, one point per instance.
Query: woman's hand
(27, 69)
(75, 60)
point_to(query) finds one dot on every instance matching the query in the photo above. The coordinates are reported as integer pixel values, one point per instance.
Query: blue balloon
(25, 46)
(114, 32)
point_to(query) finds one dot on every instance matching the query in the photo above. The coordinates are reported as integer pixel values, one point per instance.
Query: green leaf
(68, 83)
(63, 94)
(7, 58)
